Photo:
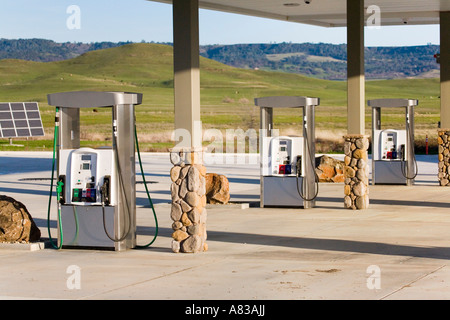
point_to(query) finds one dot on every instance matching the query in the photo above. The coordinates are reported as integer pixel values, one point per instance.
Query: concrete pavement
(399, 248)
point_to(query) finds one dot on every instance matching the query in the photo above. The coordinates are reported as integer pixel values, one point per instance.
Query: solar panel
(20, 119)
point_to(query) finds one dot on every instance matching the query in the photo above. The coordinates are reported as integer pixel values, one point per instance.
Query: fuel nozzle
(299, 166)
(105, 190)
(60, 189)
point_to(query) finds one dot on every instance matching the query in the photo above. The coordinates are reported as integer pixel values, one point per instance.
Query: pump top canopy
(92, 99)
(286, 102)
(392, 103)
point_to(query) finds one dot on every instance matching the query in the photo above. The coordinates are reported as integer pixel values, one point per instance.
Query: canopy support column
(187, 69)
(445, 69)
(355, 67)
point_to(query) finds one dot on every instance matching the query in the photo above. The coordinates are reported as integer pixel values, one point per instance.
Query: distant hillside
(328, 61)
(41, 50)
(323, 61)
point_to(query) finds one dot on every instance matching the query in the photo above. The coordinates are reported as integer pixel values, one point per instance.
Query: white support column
(187, 69)
(445, 69)
(355, 67)
(444, 131)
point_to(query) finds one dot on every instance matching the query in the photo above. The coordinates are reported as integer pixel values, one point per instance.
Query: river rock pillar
(356, 172)
(188, 192)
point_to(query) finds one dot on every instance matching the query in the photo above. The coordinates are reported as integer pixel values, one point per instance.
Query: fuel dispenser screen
(282, 156)
(85, 184)
(392, 144)
(86, 171)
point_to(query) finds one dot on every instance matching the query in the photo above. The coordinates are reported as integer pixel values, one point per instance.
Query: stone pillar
(188, 191)
(444, 157)
(356, 172)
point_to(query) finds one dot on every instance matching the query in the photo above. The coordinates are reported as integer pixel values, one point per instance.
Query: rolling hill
(327, 61)
(318, 60)
(227, 92)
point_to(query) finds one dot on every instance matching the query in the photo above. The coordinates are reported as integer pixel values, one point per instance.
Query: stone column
(444, 157)
(188, 191)
(356, 172)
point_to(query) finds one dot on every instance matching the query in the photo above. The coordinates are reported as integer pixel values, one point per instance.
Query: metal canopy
(392, 103)
(92, 99)
(331, 13)
(286, 102)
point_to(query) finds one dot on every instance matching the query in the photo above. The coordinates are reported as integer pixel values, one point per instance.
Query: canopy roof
(331, 13)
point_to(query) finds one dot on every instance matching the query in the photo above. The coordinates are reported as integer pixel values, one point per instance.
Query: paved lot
(399, 248)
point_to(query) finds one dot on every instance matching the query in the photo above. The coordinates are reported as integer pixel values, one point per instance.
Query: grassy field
(227, 96)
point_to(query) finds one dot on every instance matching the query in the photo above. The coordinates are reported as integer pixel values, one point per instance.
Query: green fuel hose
(55, 141)
(148, 193)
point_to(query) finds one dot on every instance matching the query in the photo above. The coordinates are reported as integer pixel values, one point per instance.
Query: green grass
(227, 95)
(26, 145)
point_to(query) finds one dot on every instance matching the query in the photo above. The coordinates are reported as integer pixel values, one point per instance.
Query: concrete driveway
(399, 248)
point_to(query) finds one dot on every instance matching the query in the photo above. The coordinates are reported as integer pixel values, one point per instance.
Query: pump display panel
(89, 176)
(283, 156)
(390, 145)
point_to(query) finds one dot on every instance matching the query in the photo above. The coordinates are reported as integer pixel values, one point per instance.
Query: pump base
(389, 172)
(82, 228)
(281, 191)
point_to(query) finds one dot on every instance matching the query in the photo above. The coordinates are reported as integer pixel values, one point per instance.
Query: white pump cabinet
(288, 177)
(393, 159)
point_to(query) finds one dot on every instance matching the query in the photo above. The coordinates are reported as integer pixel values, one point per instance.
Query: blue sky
(137, 20)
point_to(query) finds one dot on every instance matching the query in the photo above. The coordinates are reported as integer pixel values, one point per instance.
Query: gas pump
(288, 177)
(96, 188)
(393, 158)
